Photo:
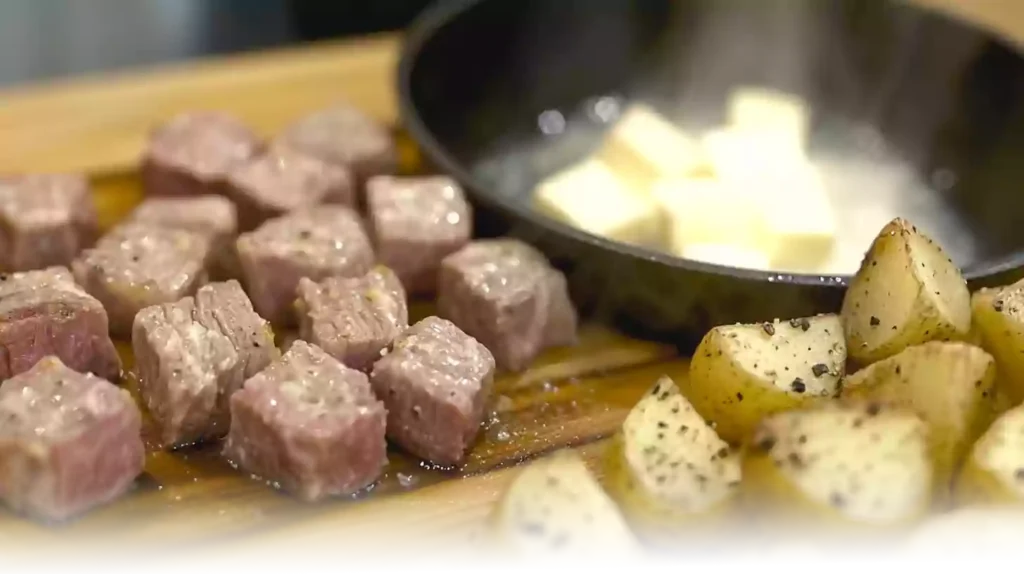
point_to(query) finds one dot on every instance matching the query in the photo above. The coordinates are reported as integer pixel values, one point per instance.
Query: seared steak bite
(416, 222)
(137, 265)
(344, 136)
(210, 214)
(192, 153)
(281, 181)
(320, 242)
(353, 319)
(68, 441)
(310, 424)
(191, 355)
(45, 220)
(46, 313)
(436, 383)
(506, 294)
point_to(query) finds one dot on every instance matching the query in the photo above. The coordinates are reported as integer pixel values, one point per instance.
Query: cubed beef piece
(137, 265)
(310, 424)
(46, 313)
(345, 136)
(191, 355)
(45, 220)
(211, 214)
(436, 383)
(326, 241)
(282, 181)
(416, 222)
(507, 295)
(353, 319)
(68, 441)
(192, 153)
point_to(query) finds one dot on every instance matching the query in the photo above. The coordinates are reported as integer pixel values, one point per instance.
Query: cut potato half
(994, 470)
(998, 316)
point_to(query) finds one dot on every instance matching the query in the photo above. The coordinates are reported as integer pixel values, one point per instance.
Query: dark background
(44, 39)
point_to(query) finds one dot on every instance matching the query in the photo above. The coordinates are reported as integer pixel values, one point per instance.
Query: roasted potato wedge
(998, 316)
(948, 384)
(740, 373)
(994, 469)
(854, 464)
(667, 467)
(782, 554)
(968, 535)
(907, 292)
(555, 505)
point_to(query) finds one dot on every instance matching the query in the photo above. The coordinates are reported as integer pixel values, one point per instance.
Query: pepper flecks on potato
(741, 373)
(994, 469)
(856, 463)
(667, 466)
(977, 536)
(555, 505)
(949, 385)
(907, 292)
(782, 554)
(998, 316)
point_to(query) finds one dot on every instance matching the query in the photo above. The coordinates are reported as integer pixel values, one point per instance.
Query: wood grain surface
(570, 398)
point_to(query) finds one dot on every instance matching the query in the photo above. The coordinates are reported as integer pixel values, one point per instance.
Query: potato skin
(950, 385)
(727, 393)
(907, 292)
(721, 526)
(998, 317)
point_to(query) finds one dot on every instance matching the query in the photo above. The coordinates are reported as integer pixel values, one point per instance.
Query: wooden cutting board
(571, 397)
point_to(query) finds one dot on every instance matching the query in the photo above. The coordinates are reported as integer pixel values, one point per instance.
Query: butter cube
(761, 110)
(732, 154)
(644, 147)
(589, 197)
(728, 255)
(800, 222)
(704, 211)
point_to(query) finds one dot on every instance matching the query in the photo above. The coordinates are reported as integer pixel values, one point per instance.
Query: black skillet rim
(435, 17)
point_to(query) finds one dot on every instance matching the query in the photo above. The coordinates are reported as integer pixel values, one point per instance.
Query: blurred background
(47, 39)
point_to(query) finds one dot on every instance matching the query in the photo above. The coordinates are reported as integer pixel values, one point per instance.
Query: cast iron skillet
(475, 76)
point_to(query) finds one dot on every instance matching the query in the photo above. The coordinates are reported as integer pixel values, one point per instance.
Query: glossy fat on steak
(416, 222)
(310, 424)
(353, 319)
(46, 313)
(320, 242)
(68, 441)
(192, 355)
(137, 265)
(192, 153)
(45, 220)
(436, 383)
(505, 293)
(343, 135)
(281, 181)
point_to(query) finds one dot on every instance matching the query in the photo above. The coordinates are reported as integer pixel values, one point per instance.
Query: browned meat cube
(310, 424)
(436, 383)
(192, 355)
(137, 265)
(315, 243)
(45, 220)
(211, 214)
(345, 136)
(282, 181)
(46, 313)
(507, 295)
(192, 153)
(353, 319)
(68, 442)
(416, 222)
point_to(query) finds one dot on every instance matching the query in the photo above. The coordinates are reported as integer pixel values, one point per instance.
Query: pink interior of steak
(354, 319)
(68, 441)
(435, 383)
(308, 422)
